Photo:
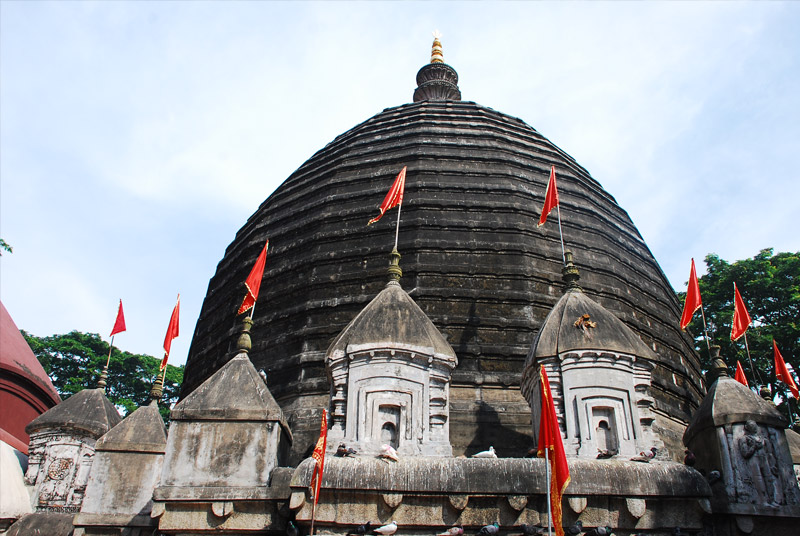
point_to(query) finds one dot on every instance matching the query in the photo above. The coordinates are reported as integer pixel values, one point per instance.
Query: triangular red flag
(740, 377)
(693, 301)
(550, 197)
(394, 197)
(119, 324)
(741, 319)
(550, 440)
(782, 373)
(319, 457)
(172, 332)
(253, 281)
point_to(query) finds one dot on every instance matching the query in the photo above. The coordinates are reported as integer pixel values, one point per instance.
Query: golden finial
(436, 51)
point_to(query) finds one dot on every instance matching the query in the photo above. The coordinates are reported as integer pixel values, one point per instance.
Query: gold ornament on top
(436, 51)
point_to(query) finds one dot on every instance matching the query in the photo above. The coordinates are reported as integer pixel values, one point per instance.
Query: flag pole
(397, 228)
(110, 346)
(313, 513)
(549, 505)
(561, 235)
(750, 359)
(705, 328)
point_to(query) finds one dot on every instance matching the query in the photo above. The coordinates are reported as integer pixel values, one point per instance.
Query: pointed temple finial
(395, 273)
(436, 49)
(570, 274)
(244, 343)
(718, 367)
(437, 81)
(101, 383)
(158, 389)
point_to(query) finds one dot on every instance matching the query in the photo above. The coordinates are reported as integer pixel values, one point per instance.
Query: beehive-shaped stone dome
(474, 261)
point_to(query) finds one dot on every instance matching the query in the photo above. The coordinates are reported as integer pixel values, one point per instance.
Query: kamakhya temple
(433, 349)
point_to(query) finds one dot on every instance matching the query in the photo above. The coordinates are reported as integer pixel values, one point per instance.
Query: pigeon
(361, 529)
(486, 454)
(531, 530)
(605, 454)
(690, 458)
(263, 375)
(645, 457)
(575, 529)
(387, 451)
(599, 531)
(456, 530)
(489, 530)
(343, 450)
(677, 532)
(291, 529)
(386, 530)
(714, 476)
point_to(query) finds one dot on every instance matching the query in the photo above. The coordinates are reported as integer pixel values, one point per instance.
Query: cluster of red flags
(172, 329)
(741, 321)
(550, 442)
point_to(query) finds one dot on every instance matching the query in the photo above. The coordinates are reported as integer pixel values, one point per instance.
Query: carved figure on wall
(761, 465)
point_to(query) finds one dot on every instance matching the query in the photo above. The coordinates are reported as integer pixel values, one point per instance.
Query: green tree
(5, 246)
(770, 287)
(74, 361)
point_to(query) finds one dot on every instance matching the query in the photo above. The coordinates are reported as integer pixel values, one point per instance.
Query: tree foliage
(74, 361)
(770, 287)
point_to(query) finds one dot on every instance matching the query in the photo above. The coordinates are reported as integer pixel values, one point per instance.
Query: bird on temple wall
(531, 530)
(575, 529)
(361, 529)
(457, 530)
(605, 454)
(486, 454)
(291, 529)
(489, 530)
(343, 450)
(690, 458)
(388, 452)
(645, 457)
(599, 531)
(386, 530)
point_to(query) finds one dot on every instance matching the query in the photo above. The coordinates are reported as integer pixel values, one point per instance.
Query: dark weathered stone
(42, 524)
(473, 260)
(87, 411)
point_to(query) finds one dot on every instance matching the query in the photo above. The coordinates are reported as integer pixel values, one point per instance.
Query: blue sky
(136, 138)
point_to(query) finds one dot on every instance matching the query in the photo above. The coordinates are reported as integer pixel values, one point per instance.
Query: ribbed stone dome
(473, 260)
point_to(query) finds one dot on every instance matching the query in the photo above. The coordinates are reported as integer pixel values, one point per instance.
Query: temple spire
(436, 49)
(437, 81)
(570, 274)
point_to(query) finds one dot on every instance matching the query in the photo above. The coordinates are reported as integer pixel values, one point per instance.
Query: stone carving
(756, 465)
(58, 470)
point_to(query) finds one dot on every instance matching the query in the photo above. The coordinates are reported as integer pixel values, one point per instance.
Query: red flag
(782, 373)
(172, 332)
(253, 281)
(693, 301)
(119, 324)
(550, 197)
(550, 439)
(741, 320)
(394, 197)
(319, 457)
(740, 377)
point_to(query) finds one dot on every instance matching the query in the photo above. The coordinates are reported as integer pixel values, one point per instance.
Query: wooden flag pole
(110, 346)
(705, 328)
(750, 359)
(561, 235)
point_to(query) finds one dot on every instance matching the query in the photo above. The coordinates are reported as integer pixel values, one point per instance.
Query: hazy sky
(136, 138)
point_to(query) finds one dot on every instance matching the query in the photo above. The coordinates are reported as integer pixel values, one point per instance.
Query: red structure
(25, 390)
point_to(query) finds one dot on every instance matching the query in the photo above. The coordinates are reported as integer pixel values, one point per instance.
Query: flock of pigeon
(388, 452)
(488, 530)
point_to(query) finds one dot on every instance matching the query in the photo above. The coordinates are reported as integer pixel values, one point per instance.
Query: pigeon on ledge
(486, 454)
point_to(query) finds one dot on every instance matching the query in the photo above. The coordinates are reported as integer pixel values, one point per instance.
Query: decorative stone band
(427, 494)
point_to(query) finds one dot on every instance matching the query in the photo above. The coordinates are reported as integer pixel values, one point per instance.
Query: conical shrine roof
(88, 411)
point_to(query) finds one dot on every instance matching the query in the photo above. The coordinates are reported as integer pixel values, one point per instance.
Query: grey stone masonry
(126, 469)
(225, 442)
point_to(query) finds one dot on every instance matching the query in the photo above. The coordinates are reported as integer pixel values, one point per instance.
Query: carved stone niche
(390, 372)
